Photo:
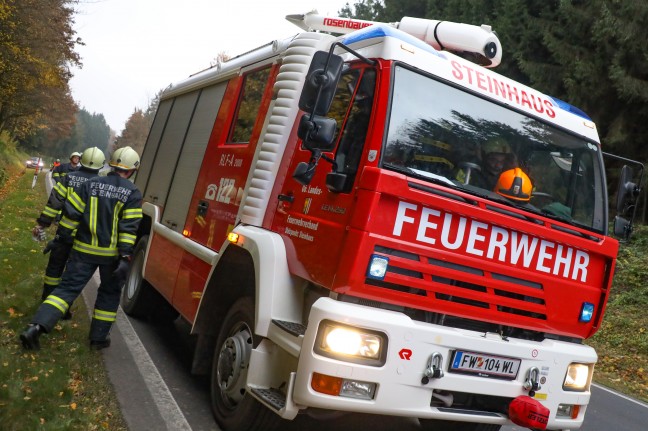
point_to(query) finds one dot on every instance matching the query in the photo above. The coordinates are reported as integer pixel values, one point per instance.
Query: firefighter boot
(29, 337)
(98, 345)
(99, 334)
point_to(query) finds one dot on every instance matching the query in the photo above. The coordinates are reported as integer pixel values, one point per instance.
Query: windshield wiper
(422, 175)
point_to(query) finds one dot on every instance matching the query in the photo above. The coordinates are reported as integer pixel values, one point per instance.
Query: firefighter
(496, 156)
(106, 214)
(92, 159)
(60, 171)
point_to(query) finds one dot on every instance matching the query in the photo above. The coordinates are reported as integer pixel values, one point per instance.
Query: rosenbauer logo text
(469, 236)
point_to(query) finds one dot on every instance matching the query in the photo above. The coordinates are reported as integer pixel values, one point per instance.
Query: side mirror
(304, 173)
(317, 132)
(322, 80)
(626, 193)
(335, 181)
(622, 228)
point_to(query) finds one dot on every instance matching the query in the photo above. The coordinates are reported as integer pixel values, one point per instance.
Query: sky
(135, 48)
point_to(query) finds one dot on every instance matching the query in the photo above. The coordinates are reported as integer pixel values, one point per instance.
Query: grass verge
(622, 341)
(64, 386)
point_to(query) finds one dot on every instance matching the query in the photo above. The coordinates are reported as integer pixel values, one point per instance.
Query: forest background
(591, 54)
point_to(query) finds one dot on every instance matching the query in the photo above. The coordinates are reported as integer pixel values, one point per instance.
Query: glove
(38, 233)
(121, 271)
(54, 244)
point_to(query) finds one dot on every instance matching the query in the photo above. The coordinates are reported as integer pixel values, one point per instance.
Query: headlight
(578, 377)
(351, 344)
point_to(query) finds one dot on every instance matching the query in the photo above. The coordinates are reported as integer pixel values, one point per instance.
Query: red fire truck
(313, 209)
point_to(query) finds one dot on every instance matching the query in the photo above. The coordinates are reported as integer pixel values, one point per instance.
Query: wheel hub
(233, 361)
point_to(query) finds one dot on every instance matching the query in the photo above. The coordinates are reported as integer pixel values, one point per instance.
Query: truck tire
(440, 425)
(139, 298)
(234, 408)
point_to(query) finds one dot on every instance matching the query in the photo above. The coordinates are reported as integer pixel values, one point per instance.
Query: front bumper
(399, 387)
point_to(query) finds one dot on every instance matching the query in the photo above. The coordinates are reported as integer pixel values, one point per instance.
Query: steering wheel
(544, 197)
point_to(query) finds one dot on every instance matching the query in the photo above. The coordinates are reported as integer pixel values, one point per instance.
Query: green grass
(622, 341)
(64, 386)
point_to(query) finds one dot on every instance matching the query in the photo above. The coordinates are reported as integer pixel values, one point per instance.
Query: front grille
(455, 289)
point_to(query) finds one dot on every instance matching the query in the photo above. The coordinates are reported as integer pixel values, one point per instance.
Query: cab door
(312, 219)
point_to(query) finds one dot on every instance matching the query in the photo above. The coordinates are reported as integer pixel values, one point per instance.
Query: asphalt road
(149, 367)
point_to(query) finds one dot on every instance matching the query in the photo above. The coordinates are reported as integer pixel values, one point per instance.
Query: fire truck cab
(322, 212)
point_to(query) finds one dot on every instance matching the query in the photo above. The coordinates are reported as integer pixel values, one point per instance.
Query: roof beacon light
(478, 43)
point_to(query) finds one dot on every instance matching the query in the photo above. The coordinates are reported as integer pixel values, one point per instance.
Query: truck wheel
(439, 425)
(233, 408)
(139, 298)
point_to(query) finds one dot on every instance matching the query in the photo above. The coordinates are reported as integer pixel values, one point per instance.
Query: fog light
(377, 267)
(359, 390)
(337, 386)
(577, 377)
(587, 312)
(567, 411)
(350, 344)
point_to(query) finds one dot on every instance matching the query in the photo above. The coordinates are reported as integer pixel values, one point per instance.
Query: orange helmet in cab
(514, 184)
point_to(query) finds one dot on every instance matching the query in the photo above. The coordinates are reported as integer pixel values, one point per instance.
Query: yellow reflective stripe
(51, 212)
(52, 281)
(433, 159)
(115, 224)
(106, 316)
(67, 223)
(93, 220)
(92, 249)
(76, 201)
(133, 213)
(62, 191)
(127, 238)
(57, 303)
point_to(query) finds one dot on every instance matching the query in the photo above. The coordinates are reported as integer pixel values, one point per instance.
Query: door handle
(202, 208)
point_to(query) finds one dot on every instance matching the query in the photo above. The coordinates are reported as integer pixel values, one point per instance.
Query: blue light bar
(383, 30)
(570, 108)
(587, 312)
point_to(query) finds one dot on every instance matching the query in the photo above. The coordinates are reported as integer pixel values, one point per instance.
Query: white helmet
(125, 158)
(93, 158)
(75, 154)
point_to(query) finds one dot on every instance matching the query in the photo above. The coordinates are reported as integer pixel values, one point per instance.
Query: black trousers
(80, 268)
(55, 266)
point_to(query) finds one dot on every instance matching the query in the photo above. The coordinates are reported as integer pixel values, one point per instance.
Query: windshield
(445, 135)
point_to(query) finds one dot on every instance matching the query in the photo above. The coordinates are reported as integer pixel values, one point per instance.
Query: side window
(254, 85)
(360, 84)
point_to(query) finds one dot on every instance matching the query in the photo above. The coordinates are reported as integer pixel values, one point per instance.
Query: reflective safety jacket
(59, 172)
(69, 183)
(106, 212)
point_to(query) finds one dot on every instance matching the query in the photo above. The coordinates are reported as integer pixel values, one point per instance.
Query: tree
(135, 131)
(37, 44)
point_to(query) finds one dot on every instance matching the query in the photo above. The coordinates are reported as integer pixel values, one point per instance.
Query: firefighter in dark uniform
(106, 214)
(92, 160)
(60, 171)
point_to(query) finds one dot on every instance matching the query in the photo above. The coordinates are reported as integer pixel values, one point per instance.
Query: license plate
(497, 367)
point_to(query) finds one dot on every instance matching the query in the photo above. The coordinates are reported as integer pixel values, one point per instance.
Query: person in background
(92, 160)
(61, 171)
(56, 163)
(496, 157)
(106, 213)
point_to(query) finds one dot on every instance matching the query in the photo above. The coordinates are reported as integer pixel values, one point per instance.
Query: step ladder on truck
(313, 209)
